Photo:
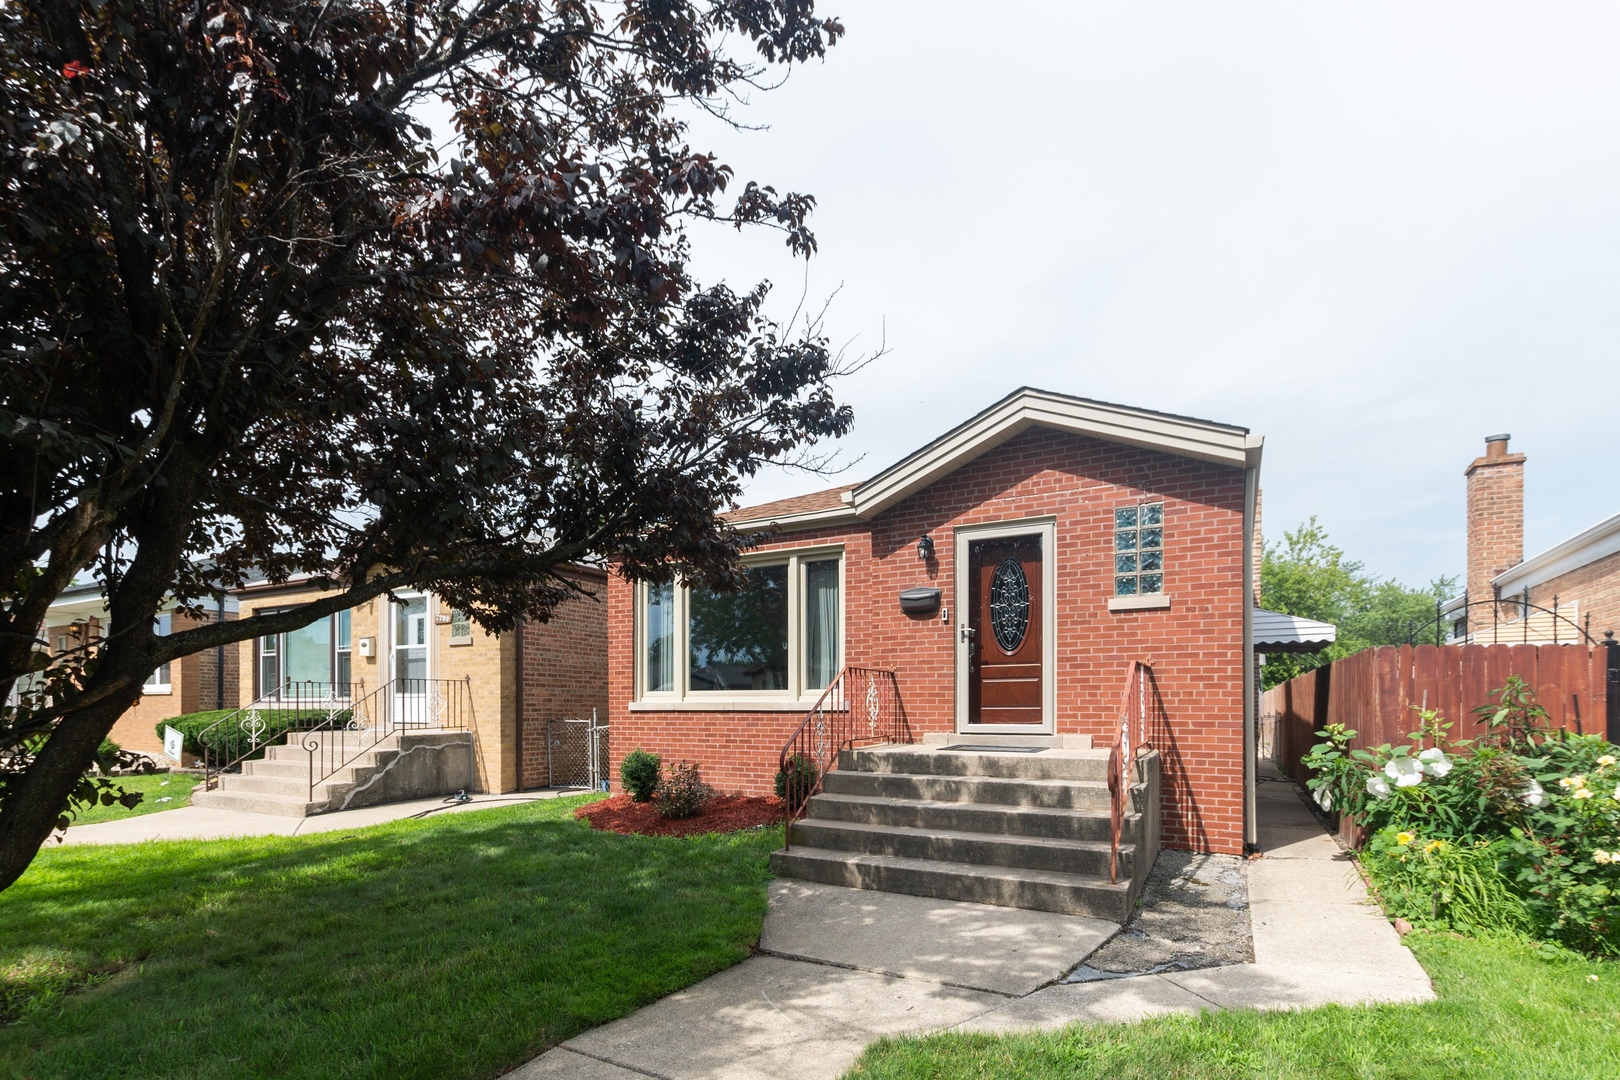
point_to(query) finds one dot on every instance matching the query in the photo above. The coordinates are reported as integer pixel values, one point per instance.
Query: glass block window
(460, 625)
(1139, 549)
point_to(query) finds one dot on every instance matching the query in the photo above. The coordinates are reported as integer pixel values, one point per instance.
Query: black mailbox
(920, 601)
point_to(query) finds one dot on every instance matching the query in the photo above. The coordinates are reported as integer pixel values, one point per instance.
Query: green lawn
(1503, 1011)
(456, 946)
(175, 787)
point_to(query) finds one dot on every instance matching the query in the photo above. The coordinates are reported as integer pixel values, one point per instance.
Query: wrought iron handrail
(1122, 755)
(290, 707)
(397, 705)
(860, 707)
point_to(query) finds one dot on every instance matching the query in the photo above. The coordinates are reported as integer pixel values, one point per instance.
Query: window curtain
(821, 623)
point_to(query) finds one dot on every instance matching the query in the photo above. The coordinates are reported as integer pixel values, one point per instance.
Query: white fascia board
(1204, 441)
(809, 519)
(1600, 540)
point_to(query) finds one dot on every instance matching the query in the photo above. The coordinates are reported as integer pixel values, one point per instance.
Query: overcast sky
(1373, 233)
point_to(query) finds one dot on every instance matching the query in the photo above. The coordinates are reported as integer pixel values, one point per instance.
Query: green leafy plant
(1444, 884)
(796, 783)
(200, 731)
(640, 773)
(682, 793)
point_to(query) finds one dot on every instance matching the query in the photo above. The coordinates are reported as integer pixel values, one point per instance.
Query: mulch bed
(727, 813)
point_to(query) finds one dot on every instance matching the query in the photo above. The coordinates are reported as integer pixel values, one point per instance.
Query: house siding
(1196, 645)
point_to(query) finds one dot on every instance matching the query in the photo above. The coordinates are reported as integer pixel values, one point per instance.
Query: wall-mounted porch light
(925, 547)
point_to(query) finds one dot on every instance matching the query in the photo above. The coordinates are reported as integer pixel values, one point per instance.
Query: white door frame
(1046, 528)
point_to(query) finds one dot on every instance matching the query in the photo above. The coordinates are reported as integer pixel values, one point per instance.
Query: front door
(410, 662)
(1002, 638)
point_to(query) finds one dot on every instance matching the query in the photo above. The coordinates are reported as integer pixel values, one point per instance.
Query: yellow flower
(1572, 782)
(1432, 846)
(1404, 838)
(1605, 761)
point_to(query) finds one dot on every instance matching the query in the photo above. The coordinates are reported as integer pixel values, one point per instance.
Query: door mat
(997, 749)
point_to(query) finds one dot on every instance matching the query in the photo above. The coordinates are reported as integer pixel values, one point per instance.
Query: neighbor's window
(780, 636)
(1139, 549)
(159, 679)
(460, 626)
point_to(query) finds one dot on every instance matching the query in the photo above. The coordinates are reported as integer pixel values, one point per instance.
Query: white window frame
(797, 696)
(165, 626)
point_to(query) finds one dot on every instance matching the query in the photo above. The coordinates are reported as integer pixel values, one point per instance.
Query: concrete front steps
(1027, 830)
(406, 765)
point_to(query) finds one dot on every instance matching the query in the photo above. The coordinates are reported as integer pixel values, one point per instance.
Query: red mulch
(727, 813)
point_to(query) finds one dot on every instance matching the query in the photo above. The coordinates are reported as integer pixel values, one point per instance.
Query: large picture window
(306, 661)
(780, 637)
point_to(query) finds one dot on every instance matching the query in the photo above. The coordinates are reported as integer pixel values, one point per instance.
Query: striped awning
(1275, 632)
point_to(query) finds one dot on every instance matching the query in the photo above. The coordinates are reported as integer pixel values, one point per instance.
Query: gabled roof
(1275, 632)
(1184, 436)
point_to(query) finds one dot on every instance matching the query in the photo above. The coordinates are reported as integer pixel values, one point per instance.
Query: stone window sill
(1153, 602)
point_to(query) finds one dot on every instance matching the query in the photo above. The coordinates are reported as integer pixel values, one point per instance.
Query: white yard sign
(174, 742)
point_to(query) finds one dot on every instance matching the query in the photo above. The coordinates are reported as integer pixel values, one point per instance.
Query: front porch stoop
(407, 765)
(1024, 830)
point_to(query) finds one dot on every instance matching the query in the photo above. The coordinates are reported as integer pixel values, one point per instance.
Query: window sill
(729, 704)
(1155, 602)
(157, 691)
(453, 642)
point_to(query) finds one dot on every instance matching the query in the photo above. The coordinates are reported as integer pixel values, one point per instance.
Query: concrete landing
(841, 967)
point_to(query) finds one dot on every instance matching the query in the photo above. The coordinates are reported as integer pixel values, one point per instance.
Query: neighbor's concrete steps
(413, 764)
(1014, 829)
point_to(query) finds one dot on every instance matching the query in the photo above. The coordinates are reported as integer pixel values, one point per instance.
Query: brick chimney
(1495, 515)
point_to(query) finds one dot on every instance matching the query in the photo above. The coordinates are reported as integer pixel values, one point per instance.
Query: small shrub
(231, 739)
(640, 772)
(682, 794)
(795, 783)
(107, 756)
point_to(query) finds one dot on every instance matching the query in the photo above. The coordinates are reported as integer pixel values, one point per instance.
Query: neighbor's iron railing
(288, 709)
(397, 706)
(1128, 742)
(861, 707)
(1533, 621)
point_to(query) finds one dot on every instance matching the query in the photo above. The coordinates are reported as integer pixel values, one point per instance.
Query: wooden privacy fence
(1376, 692)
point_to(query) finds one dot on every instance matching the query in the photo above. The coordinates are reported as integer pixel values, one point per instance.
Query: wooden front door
(1005, 653)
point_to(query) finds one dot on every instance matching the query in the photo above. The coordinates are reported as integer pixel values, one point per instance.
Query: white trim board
(1582, 549)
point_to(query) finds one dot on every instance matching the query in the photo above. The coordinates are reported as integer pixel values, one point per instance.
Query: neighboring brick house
(1566, 592)
(205, 680)
(1095, 535)
(562, 674)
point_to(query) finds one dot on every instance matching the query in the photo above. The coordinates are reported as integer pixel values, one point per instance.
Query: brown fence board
(1374, 692)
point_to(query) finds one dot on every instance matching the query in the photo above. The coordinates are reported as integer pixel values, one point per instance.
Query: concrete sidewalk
(839, 968)
(204, 823)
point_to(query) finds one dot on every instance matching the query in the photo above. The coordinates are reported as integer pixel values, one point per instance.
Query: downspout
(517, 690)
(219, 659)
(1251, 486)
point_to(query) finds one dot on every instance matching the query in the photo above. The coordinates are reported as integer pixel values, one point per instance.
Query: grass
(173, 786)
(1503, 1011)
(456, 946)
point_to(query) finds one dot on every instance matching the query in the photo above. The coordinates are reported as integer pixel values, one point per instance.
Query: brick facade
(1196, 645)
(1594, 591)
(1495, 516)
(194, 683)
(565, 673)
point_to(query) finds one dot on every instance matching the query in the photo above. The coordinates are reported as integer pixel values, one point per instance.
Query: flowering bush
(1517, 830)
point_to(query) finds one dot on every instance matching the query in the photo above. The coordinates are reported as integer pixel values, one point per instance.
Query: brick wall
(1495, 517)
(1196, 644)
(565, 672)
(193, 682)
(1595, 588)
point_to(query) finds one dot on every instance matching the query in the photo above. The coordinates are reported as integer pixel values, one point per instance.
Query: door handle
(968, 633)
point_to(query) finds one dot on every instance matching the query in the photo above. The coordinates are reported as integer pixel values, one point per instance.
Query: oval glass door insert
(1009, 604)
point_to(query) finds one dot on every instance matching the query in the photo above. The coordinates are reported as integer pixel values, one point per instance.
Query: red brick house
(1007, 572)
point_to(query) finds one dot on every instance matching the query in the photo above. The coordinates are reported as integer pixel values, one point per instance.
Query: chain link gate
(577, 753)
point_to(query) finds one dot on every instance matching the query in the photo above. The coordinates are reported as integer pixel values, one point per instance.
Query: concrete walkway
(204, 823)
(838, 968)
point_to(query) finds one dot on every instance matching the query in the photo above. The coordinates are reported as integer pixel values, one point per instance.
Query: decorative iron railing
(397, 706)
(861, 707)
(288, 709)
(1130, 740)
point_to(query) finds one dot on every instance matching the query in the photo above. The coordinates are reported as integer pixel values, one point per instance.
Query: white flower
(1534, 796)
(1605, 761)
(1602, 858)
(1617, 793)
(1377, 786)
(1584, 793)
(1435, 762)
(1324, 798)
(1405, 771)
